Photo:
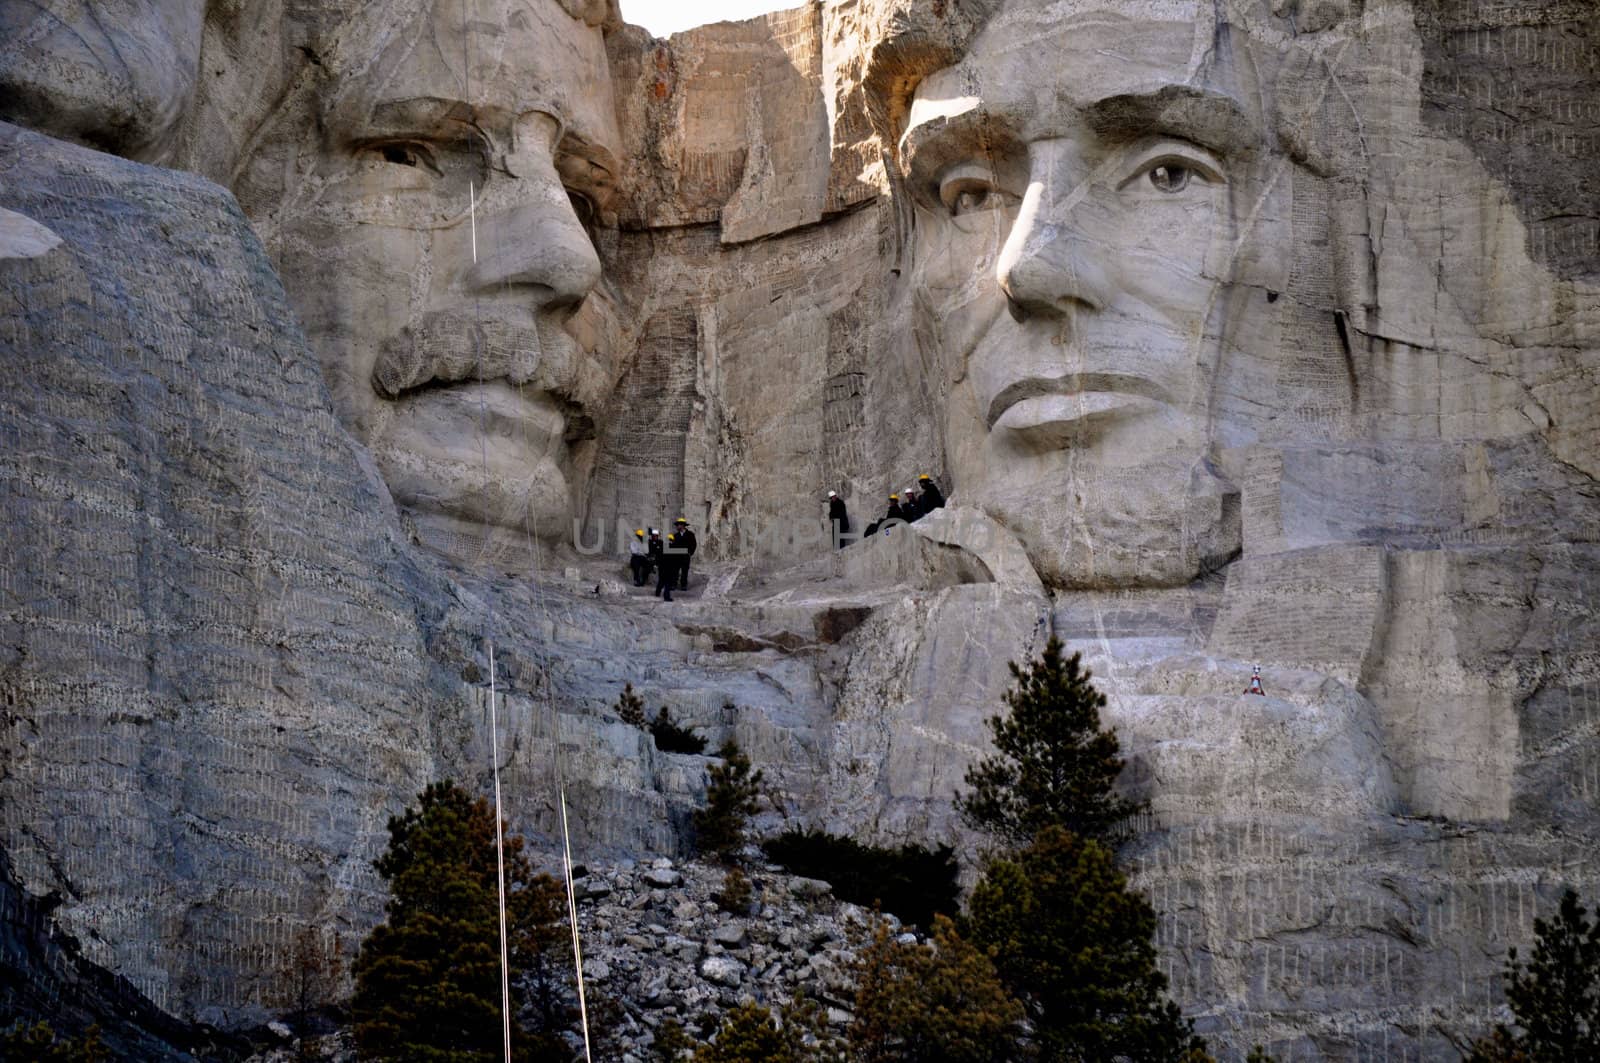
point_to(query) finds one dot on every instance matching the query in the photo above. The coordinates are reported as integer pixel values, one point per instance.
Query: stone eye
(970, 200)
(402, 153)
(1170, 177)
(968, 196)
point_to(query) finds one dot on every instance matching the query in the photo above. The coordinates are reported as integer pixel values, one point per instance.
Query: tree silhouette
(730, 802)
(1053, 765)
(428, 977)
(1074, 943)
(1555, 996)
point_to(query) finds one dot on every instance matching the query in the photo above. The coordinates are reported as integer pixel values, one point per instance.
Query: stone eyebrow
(936, 142)
(1205, 116)
(421, 116)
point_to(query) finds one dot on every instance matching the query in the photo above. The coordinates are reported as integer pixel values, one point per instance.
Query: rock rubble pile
(658, 945)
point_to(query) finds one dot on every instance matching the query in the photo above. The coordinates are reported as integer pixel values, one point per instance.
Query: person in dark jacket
(667, 568)
(910, 505)
(687, 543)
(838, 517)
(932, 498)
(653, 550)
(894, 512)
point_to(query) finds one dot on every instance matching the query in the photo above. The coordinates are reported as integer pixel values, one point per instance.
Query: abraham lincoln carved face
(437, 240)
(1092, 187)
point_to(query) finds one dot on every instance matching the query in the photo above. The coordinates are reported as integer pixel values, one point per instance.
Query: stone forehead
(1037, 67)
(1034, 59)
(505, 56)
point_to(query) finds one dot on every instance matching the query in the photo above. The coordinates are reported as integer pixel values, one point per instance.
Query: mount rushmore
(348, 339)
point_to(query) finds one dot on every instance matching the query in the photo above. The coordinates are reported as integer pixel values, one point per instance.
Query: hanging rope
(500, 860)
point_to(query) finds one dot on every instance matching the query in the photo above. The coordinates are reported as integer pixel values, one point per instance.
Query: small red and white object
(1255, 683)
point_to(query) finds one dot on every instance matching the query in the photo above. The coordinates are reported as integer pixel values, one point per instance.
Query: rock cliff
(1313, 385)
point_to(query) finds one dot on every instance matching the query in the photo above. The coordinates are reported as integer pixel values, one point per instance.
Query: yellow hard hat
(638, 531)
(894, 498)
(924, 476)
(680, 520)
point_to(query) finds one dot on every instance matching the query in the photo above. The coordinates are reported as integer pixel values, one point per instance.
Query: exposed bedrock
(1236, 334)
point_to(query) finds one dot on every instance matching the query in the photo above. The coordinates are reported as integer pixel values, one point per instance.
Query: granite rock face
(197, 566)
(1284, 354)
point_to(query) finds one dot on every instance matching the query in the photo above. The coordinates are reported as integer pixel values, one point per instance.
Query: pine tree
(1053, 765)
(1555, 996)
(671, 738)
(937, 1003)
(428, 978)
(39, 1044)
(730, 802)
(630, 707)
(671, 1042)
(1074, 943)
(736, 894)
(750, 1034)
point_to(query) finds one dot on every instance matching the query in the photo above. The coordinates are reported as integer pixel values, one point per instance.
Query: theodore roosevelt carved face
(438, 242)
(1090, 191)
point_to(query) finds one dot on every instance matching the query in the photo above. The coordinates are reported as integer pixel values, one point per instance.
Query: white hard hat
(833, 494)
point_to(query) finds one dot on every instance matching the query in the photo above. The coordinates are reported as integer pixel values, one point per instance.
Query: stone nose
(538, 243)
(1050, 265)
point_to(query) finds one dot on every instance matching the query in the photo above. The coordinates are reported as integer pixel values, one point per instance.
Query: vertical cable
(500, 859)
(572, 913)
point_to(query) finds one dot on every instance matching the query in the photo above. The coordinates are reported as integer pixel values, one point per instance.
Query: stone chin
(478, 466)
(1161, 523)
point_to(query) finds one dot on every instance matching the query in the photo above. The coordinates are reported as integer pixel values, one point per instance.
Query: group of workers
(907, 507)
(668, 558)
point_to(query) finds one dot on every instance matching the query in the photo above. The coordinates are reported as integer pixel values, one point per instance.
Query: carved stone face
(1084, 184)
(115, 75)
(439, 250)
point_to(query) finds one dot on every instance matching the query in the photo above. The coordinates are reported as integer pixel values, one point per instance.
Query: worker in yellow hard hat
(932, 497)
(639, 558)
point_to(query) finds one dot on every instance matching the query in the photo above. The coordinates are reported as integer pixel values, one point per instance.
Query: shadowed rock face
(197, 566)
(1226, 350)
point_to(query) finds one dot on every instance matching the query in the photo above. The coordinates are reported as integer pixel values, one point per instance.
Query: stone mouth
(456, 421)
(1073, 397)
(449, 348)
